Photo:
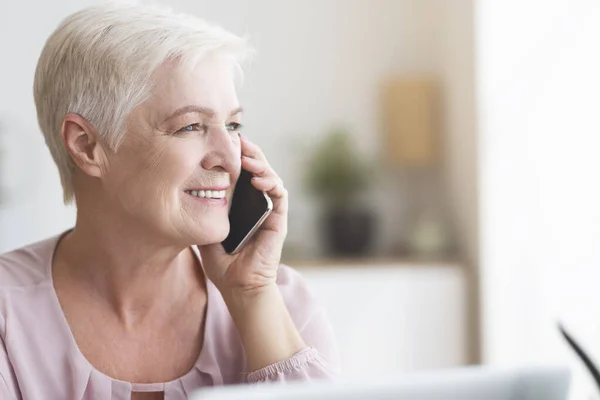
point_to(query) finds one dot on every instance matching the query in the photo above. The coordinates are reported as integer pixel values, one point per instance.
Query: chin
(216, 234)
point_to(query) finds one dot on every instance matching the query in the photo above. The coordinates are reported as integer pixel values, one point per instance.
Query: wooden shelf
(394, 262)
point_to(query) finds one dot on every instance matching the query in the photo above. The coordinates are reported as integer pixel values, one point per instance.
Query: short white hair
(99, 63)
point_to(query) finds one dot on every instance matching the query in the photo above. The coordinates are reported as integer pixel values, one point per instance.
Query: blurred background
(440, 157)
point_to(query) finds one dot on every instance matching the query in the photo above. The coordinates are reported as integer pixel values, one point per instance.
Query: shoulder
(300, 300)
(20, 270)
(290, 280)
(28, 265)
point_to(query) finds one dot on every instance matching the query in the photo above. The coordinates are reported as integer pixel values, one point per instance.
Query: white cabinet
(394, 317)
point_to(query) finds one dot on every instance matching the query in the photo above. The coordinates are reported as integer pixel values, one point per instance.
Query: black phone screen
(248, 205)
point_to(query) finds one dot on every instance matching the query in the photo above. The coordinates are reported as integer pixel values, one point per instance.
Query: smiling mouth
(207, 194)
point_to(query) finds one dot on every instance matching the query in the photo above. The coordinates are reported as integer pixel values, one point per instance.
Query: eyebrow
(200, 110)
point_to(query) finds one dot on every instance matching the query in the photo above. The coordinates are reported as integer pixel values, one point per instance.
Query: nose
(223, 151)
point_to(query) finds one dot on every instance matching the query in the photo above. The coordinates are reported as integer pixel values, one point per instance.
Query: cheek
(168, 167)
(153, 174)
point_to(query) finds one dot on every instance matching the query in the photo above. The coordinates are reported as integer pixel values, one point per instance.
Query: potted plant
(337, 175)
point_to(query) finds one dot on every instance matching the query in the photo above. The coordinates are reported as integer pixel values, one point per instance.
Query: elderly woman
(139, 300)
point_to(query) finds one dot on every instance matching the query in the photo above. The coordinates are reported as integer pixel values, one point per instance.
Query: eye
(234, 127)
(191, 128)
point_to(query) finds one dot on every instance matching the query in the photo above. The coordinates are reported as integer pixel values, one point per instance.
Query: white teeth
(209, 194)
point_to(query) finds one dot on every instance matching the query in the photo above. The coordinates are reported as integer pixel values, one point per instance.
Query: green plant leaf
(336, 172)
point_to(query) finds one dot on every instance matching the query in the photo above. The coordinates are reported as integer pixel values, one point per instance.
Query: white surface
(463, 384)
(540, 220)
(394, 318)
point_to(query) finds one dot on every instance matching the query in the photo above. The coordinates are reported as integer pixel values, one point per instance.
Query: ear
(82, 141)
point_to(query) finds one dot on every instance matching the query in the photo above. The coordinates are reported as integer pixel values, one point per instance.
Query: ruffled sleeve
(307, 364)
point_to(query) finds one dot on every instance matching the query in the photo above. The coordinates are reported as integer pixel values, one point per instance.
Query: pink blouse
(39, 358)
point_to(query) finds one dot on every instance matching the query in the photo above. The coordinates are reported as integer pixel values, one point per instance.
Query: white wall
(538, 82)
(35, 210)
(319, 63)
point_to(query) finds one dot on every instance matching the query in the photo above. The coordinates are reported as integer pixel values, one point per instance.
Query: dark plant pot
(348, 232)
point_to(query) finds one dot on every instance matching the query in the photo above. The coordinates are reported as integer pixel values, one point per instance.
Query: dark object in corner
(349, 232)
(582, 355)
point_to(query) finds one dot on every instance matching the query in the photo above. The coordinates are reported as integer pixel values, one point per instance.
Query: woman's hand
(255, 266)
(247, 280)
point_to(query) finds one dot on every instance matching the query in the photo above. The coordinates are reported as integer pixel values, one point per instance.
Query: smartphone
(249, 209)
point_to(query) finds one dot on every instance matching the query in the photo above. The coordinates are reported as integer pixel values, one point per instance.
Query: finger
(277, 221)
(251, 149)
(273, 187)
(257, 167)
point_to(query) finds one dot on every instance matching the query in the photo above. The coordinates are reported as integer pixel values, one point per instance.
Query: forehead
(209, 83)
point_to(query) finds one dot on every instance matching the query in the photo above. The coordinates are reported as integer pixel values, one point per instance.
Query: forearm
(265, 326)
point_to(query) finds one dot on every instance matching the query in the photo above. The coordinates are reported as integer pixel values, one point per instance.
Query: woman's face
(182, 141)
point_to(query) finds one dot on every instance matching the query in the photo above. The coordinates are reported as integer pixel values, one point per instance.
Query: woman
(139, 300)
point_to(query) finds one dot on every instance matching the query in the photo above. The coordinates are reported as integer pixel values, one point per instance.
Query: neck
(124, 266)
